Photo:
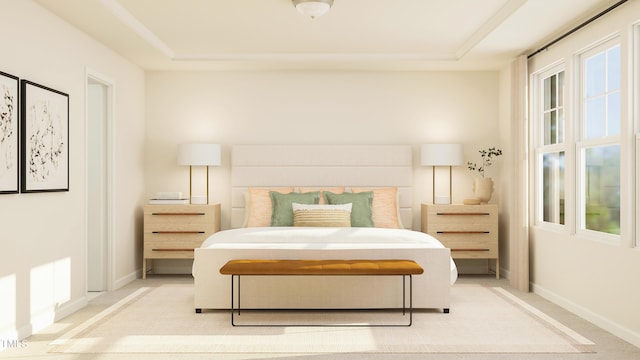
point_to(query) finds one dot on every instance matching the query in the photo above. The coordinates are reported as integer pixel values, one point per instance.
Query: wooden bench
(404, 268)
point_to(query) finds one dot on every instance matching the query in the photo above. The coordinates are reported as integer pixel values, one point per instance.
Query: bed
(353, 168)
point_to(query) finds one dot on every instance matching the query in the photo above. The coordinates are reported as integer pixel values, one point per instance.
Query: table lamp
(441, 155)
(198, 155)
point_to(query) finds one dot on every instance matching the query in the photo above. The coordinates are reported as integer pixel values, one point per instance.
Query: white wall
(42, 235)
(318, 108)
(598, 281)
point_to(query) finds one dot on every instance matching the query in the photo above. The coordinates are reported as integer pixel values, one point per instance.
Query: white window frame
(540, 148)
(581, 144)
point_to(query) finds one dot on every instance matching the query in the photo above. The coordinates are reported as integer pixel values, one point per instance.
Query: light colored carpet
(162, 320)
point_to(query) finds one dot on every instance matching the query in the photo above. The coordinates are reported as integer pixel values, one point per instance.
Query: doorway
(99, 94)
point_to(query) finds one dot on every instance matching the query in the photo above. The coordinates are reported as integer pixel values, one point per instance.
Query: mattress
(299, 242)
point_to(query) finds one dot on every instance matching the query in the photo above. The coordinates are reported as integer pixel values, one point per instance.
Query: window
(550, 150)
(553, 109)
(599, 144)
(553, 187)
(602, 188)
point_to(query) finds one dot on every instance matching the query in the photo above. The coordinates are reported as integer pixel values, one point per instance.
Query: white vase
(483, 188)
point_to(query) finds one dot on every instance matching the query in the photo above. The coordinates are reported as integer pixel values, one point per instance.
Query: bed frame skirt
(431, 290)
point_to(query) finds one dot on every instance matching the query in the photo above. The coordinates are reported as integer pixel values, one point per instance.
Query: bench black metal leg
(404, 291)
(232, 302)
(410, 297)
(404, 281)
(232, 305)
(410, 300)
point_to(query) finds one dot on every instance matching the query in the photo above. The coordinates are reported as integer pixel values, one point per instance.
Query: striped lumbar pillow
(322, 215)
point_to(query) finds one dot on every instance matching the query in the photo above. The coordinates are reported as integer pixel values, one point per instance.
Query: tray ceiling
(354, 34)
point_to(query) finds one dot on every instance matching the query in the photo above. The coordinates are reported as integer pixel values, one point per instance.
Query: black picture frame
(45, 139)
(9, 133)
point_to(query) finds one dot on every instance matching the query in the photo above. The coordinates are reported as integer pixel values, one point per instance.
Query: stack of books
(168, 198)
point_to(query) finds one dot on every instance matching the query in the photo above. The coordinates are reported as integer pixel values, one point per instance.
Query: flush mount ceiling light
(313, 8)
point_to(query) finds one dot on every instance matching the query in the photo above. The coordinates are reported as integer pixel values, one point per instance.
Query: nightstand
(174, 231)
(470, 231)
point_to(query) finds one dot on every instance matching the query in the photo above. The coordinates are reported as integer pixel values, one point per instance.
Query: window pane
(553, 126)
(560, 89)
(550, 126)
(554, 94)
(613, 68)
(613, 114)
(560, 126)
(602, 189)
(553, 187)
(595, 75)
(602, 94)
(547, 93)
(594, 118)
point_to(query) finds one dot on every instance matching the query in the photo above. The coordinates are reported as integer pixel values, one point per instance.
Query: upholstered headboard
(321, 166)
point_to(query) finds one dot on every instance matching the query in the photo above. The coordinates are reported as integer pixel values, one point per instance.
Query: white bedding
(308, 238)
(431, 289)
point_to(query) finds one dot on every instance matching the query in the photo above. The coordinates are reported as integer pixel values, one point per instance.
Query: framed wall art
(9, 107)
(45, 139)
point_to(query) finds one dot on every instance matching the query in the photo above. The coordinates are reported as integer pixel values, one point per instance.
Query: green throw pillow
(283, 210)
(361, 213)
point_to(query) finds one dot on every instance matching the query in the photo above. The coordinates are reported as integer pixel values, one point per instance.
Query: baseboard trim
(70, 308)
(594, 318)
(41, 322)
(505, 274)
(63, 311)
(126, 279)
(24, 331)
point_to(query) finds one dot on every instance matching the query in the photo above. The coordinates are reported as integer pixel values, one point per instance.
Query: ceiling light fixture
(313, 8)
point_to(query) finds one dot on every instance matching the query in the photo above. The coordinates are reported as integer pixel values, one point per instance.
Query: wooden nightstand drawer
(473, 254)
(178, 215)
(470, 231)
(172, 241)
(468, 228)
(169, 254)
(455, 240)
(176, 228)
(174, 231)
(461, 215)
(471, 244)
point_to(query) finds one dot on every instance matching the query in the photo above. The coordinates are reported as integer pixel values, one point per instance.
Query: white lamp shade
(199, 154)
(441, 155)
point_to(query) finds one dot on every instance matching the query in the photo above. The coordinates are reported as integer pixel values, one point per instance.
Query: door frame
(97, 77)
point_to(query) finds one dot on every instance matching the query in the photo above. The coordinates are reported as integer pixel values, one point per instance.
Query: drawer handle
(172, 250)
(463, 232)
(463, 214)
(177, 232)
(183, 214)
(470, 250)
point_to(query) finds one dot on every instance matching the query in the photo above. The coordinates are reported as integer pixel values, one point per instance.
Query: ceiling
(353, 35)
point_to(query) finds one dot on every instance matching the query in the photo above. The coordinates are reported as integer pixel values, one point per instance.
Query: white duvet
(327, 239)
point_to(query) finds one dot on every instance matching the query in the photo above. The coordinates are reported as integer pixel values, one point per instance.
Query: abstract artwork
(8, 133)
(45, 139)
